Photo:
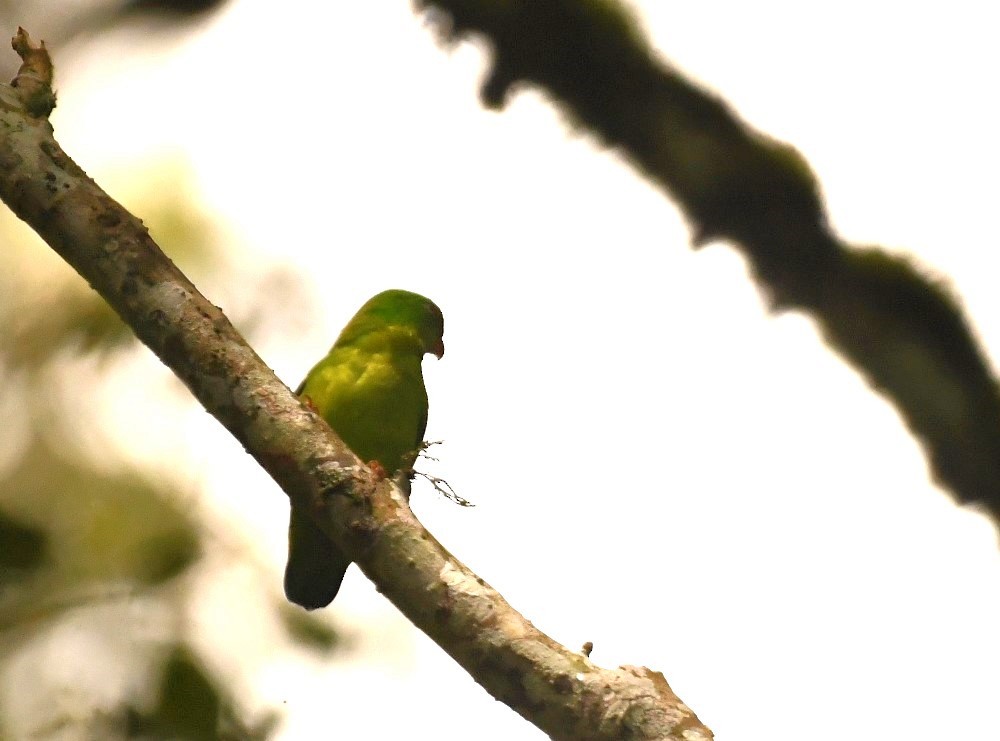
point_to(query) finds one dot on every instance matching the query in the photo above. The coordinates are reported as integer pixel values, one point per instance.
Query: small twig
(444, 488)
(34, 78)
(425, 446)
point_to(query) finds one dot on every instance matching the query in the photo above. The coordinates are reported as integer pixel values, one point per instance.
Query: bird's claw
(378, 470)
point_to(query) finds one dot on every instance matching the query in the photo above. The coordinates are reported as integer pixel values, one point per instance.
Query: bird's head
(431, 329)
(398, 308)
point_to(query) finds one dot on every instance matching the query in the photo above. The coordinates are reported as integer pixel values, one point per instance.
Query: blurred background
(658, 464)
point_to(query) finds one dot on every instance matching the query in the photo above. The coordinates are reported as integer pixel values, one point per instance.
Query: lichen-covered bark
(560, 691)
(903, 331)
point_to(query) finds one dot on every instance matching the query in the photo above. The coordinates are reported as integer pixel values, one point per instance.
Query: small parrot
(370, 389)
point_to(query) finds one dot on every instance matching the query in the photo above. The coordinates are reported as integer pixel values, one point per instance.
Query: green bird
(370, 390)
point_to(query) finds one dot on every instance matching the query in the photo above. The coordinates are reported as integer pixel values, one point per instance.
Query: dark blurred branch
(560, 691)
(99, 19)
(903, 331)
(67, 21)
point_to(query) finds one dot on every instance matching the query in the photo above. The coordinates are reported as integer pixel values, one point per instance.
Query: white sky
(659, 465)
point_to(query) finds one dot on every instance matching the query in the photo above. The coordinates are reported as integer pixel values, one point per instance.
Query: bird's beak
(438, 349)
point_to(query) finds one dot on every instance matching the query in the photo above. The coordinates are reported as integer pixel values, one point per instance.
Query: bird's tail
(315, 567)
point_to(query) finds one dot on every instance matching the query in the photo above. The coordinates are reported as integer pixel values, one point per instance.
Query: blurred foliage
(23, 548)
(83, 532)
(189, 706)
(100, 528)
(69, 318)
(307, 631)
(46, 310)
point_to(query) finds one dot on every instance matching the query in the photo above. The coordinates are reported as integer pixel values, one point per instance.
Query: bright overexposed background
(659, 465)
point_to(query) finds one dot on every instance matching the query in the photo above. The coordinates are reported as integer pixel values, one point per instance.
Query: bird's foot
(378, 469)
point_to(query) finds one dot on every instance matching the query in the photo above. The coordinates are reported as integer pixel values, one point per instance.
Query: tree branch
(560, 691)
(902, 331)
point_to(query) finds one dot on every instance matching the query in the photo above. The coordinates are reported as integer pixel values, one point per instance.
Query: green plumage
(370, 390)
